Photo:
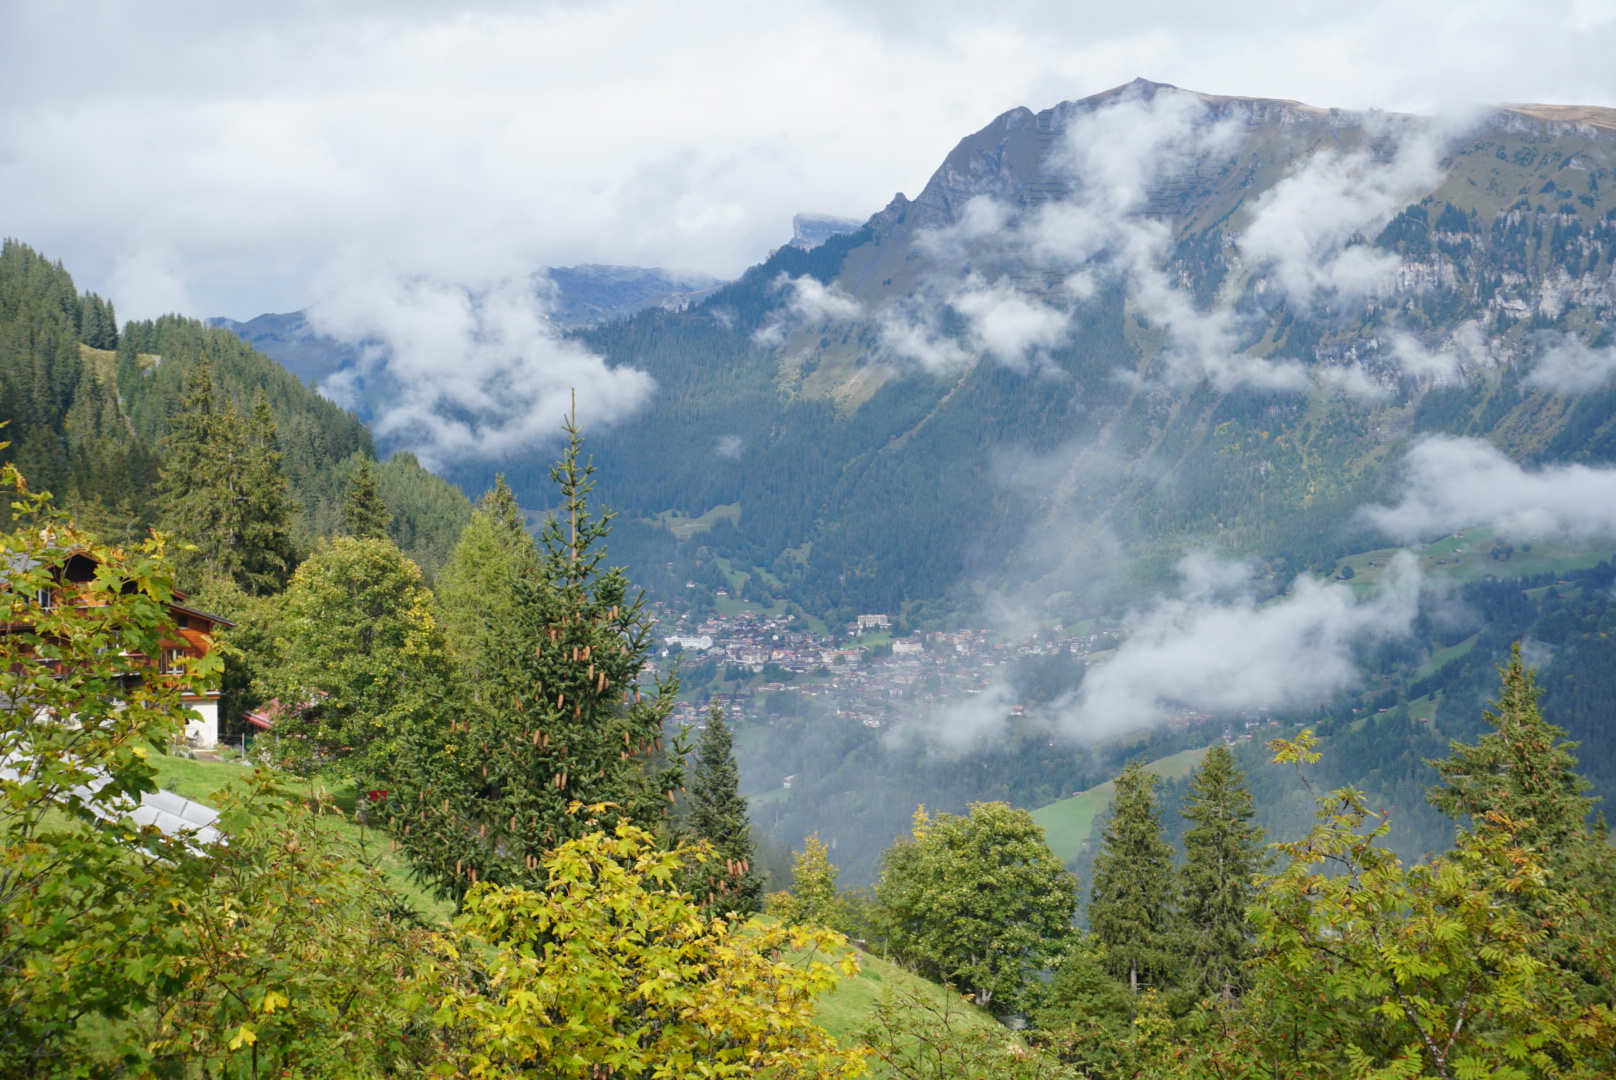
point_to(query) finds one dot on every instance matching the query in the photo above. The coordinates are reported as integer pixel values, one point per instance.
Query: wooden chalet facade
(192, 639)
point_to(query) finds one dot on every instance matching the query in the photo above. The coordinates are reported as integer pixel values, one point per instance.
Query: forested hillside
(90, 408)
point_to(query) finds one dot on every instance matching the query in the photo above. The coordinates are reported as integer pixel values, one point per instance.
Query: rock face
(291, 341)
(589, 295)
(808, 231)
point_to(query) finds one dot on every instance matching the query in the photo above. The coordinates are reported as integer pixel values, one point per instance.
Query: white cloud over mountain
(1213, 647)
(1454, 484)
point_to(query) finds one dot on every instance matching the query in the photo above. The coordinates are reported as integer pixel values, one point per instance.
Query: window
(173, 662)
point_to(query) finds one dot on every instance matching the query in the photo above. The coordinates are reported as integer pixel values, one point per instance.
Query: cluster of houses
(873, 677)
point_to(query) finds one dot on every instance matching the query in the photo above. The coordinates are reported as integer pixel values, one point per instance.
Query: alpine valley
(1155, 419)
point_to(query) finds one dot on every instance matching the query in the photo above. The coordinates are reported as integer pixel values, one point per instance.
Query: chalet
(192, 639)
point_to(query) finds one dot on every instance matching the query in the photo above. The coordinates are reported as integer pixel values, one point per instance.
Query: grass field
(1068, 822)
(1466, 556)
(201, 780)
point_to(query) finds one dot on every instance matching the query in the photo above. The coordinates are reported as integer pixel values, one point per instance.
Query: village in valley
(875, 675)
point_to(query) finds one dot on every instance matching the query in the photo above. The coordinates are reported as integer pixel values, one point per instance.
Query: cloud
(1214, 648)
(729, 446)
(1454, 484)
(910, 330)
(1568, 366)
(457, 374)
(811, 302)
(1304, 227)
(147, 283)
(1009, 325)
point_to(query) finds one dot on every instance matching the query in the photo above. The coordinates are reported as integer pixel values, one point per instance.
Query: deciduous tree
(360, 668)
(979, 901)
(609, 970)
(477, 588)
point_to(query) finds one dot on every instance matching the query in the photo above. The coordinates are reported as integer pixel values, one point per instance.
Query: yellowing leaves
(611, 966)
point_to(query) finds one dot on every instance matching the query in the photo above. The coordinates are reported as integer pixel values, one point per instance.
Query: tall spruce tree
(222, 490)
(563, 720)
(1523, 768)
(1130, 908)
(1222, 853)
(730, 884)
(363, 511)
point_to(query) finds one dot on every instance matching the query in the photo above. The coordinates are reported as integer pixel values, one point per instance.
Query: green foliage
(610, 970)
(429, 513)
(917, 1036)
(359, 665)
(1087, 1016)
(222, 489)
(154, 367)
(729, 884)
(1522, 769)
(812, 900)
(1380, 970)
(978, 902)
(1222, 855)
(86, 896)
(69, 432)
(1130, 906)
(561, 718)
(477, 590)
(295, 958)
(364, 512)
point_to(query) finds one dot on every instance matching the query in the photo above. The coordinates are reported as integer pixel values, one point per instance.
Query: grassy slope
(842, 1011)
(1068, 822)
(1465, 557)
(199, 780)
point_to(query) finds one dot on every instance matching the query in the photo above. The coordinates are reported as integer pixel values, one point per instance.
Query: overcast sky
(235, 158)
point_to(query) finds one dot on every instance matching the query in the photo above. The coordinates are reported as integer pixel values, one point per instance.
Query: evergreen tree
(730, 884)
(562, 720)
(1129, 906)
(476, 592)
(363, 511)
(222, 490)
(1522, 769)
(1222, 853)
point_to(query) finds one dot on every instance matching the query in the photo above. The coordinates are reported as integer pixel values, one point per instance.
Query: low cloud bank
(1214, 648)
(1455, 484)
(458, 374)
